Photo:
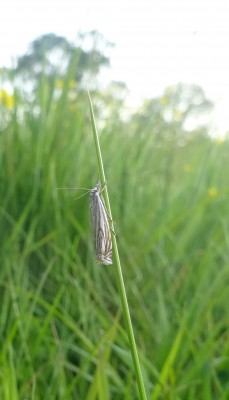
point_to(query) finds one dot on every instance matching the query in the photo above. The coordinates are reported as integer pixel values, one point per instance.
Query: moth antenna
(76, 198)
(74, 188)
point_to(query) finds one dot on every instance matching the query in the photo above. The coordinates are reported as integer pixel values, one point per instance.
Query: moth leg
(102, 189)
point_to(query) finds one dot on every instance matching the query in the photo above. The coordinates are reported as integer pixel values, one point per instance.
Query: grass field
(62, 330)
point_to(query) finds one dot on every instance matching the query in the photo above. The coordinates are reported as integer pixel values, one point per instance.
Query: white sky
(158, 42)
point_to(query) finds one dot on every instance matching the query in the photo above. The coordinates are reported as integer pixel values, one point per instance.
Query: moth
(100, 226)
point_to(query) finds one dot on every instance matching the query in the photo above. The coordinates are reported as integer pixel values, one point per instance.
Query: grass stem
(121, 284)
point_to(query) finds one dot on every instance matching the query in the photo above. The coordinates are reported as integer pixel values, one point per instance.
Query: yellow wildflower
(59, 83)
(72, 84)
(213, 192)
(6, 99)
(187, 167)
(219, 140)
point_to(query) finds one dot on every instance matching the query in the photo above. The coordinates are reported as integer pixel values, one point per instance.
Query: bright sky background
(158, 42)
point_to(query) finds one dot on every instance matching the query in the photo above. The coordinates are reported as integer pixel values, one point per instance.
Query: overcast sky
(158, 42)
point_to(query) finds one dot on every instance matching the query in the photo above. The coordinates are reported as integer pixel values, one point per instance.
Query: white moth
(101, 227)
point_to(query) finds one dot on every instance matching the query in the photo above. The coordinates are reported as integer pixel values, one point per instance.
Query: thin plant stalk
(121, 284)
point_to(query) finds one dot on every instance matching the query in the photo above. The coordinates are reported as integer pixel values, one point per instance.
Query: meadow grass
(62, 328)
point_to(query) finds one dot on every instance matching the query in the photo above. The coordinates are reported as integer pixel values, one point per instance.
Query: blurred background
(158, 77)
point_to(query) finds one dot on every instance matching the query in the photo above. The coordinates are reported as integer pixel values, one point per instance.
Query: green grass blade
(121, 284)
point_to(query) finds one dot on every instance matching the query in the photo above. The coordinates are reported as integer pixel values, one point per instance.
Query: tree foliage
(51, 55)
(53, 62)
(183, 108)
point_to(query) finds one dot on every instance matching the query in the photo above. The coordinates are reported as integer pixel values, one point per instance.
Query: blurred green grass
(62, 331)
